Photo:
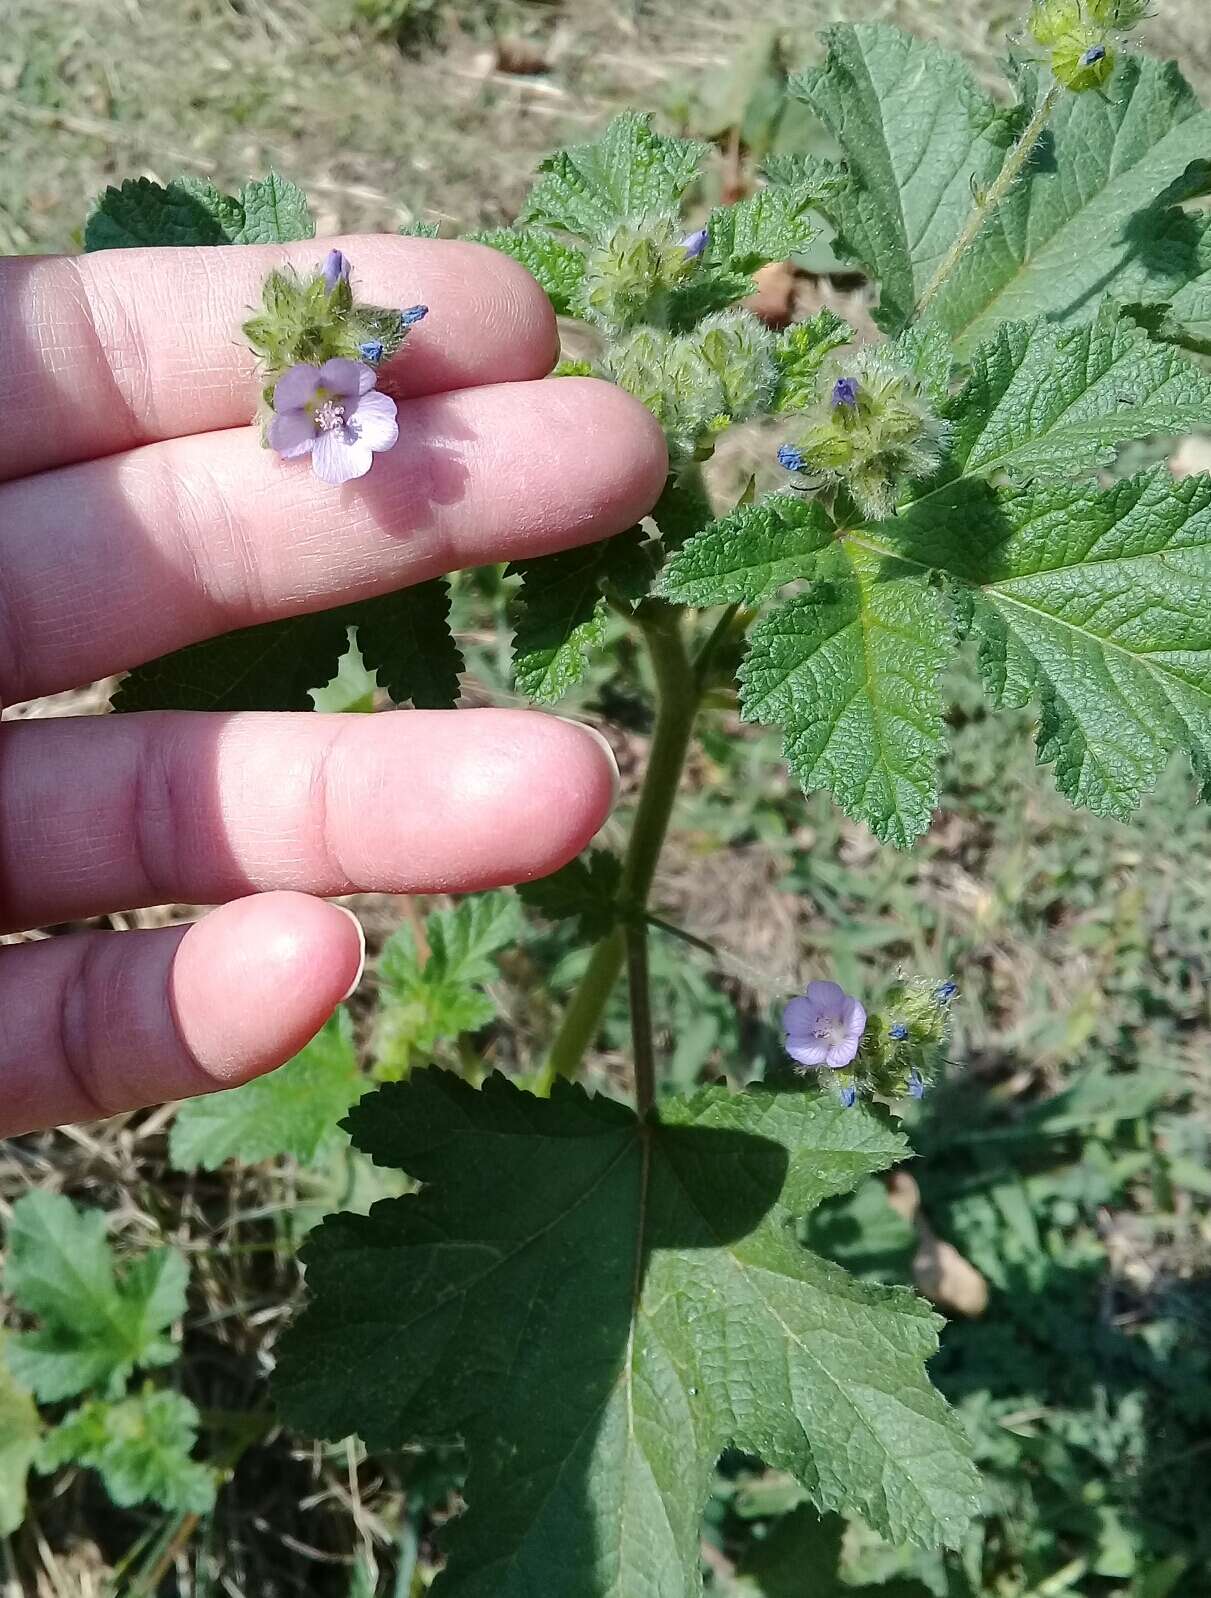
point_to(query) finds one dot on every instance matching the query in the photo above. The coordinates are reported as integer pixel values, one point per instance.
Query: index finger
(101, 353)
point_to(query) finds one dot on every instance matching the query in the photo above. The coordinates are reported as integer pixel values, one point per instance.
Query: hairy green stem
(1015, 161)
(678, 692)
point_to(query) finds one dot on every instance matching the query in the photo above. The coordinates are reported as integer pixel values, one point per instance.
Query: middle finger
(110, 563)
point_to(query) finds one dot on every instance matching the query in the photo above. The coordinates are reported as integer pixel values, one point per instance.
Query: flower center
(329, 415)
(828, 1029)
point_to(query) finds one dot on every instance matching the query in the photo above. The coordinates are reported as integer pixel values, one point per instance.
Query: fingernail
(361, 964)
(600, 737)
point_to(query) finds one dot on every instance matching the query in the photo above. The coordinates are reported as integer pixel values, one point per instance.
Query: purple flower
(824, 1027)
(845, 392)
(945, 992)
(695, 244)
(898, 1032)
(849, 1097)
(410, 317)
(371, 350)
(334, 270)
(331, 413)
(791, 458)
(1094, 54)
(916, 1087)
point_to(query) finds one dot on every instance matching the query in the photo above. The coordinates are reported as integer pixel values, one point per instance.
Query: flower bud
(628, 277)
(1083, 38)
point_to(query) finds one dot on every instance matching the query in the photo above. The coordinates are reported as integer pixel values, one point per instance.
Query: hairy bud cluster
(630, 275)
(698, 383)
(307, 320)
(1084, 37)
(870, 430)
(901, 1054)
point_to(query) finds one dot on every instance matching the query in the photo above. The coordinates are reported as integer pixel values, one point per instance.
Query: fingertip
(626, 446)
(256, 980)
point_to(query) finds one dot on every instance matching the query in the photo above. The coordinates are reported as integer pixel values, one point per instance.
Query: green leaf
(585, 891)
(425, 1001)
(850, 672)
(558, 267)
(770, 225)
(271, 667)
(1096, 602)
(1097, 214)
(630, 173)
(421, 230)
(598, 1333)
(917, 133)
(1043, 402)
(143, 213)
(561, 610)
(141, 1447)
(275, 212)
(743, 558)
(20, 1429)
(97, 1323)
(404, 637)
(190, 211)
(800, 353)
(293, 1110)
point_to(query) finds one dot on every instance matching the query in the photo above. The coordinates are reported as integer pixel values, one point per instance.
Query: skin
(138, 513)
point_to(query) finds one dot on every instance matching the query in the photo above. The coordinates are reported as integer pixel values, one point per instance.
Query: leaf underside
(599, 1337)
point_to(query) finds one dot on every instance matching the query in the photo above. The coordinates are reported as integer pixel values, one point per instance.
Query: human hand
(139, 513)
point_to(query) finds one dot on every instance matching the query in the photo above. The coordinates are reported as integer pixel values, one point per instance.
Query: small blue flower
(898, 1032)
(334, 270)
(916, 1087)
(849, 1097)
(945, 992)
(791, 458)
(411, 316)
(371, 350)
(696, 243)
(845, 392)
(1094, 54)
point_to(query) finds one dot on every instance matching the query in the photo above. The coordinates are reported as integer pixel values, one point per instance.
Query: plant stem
(1005, 180)
(677, 697)
(636, 935)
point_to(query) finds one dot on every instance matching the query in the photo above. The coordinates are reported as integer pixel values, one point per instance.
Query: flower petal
(291, 433)
(799, 1018)
(296, 388)
(338, 457)
(827, 999)
(809, 1051)
(853, 1017)
(374, 421)
(841, 1053)
(348, 378)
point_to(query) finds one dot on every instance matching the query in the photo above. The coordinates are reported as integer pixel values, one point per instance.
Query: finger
(101, 353)
(186, 808)
(113, 562)
(103, 1021)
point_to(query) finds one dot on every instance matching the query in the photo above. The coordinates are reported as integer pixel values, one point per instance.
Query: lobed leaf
(142, 213)
(20, 1430)
(850, 672)
(141, 1447)
(561, 610)
(744, 557)
(585, 891)
(438, 994)
(770, 225)
(558, 267)
(800, 353)
(598, 1337)
(917, 132)
(630, 172)
(97, 1324)
(292, 1110)
(403, 637)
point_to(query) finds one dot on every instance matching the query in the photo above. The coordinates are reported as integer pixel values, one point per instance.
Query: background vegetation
(1059, 1209)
